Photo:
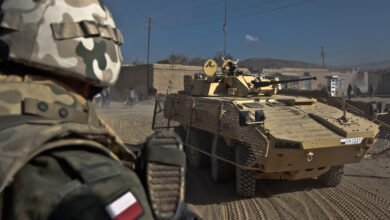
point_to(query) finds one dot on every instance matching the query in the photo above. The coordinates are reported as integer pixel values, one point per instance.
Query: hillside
(270, 63)
(385, 64)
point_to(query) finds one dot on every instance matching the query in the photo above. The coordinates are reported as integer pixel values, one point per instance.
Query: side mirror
(259, 116)
(244, 118)
(378, 108)
(382, 108)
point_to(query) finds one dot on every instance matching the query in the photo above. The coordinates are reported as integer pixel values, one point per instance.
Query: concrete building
(362, 81)
(322, 78)
(381, 81)
(165, 78)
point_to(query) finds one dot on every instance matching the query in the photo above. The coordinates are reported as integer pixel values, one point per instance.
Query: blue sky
(352, 31)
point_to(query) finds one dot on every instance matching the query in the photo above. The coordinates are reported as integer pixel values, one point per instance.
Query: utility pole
(225, 30)
(148, 83)
(323, 56)
(149, 28)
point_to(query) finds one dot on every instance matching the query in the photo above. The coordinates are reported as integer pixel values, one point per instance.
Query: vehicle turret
(232, 82)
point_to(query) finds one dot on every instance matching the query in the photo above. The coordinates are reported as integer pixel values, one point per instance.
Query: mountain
(270, 63)
(385, 64)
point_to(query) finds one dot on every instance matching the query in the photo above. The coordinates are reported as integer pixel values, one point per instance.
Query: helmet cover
(72, 38)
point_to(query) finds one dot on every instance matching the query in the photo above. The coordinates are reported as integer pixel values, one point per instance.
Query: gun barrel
(264, 84)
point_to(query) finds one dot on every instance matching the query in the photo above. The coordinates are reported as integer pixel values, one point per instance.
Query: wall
(130, 77)
(293, 73)
(168, 78)
(381, 81)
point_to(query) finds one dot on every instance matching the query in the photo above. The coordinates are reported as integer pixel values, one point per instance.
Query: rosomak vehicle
(238, 125)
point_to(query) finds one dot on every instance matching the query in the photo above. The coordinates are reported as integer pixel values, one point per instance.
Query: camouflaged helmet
(72, 38)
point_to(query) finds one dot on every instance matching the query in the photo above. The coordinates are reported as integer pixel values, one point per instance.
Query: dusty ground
(363, 194)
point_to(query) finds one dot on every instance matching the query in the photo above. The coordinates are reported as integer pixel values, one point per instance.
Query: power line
(245, 8)
(238, 16)
(225, 29)
(274, 9)
(218, 13)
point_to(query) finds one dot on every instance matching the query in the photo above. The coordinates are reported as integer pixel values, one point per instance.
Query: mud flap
(165, 174)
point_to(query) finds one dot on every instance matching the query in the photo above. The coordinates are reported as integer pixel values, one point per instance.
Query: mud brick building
(381, 81)
(165, 78)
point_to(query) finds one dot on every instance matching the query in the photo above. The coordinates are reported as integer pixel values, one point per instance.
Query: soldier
(58, 159)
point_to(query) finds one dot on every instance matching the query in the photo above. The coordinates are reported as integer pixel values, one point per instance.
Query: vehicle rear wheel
(245, 179)
(333, 177)
(200, 140)
(181, 132)
(221, 170)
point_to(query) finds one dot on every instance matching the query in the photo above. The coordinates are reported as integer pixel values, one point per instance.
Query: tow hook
(309, 156)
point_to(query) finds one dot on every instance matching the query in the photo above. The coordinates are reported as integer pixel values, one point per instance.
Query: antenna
(323, 56)
(225, 29)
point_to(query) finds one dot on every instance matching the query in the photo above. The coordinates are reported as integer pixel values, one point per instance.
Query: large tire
(333, 177)
(221, 170)
(201, 140)
(245, 179)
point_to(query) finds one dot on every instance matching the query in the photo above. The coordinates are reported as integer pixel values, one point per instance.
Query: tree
(178, 59)
(196, 61)
(137, 62)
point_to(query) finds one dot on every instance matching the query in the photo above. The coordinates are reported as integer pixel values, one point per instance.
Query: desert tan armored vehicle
(236, 122)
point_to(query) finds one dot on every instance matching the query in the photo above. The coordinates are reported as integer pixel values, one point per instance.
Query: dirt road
(363, 194)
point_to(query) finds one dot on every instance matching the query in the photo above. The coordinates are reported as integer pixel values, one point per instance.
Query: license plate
(351, 140)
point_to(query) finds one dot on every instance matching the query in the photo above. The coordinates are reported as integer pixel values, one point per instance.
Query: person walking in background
(104, 98)
(108, 97)
(372, 89)
(349, 91)
(97, 99)
(153, 92)
(132, 97)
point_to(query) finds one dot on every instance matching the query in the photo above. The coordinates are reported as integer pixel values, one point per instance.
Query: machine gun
(260, 84)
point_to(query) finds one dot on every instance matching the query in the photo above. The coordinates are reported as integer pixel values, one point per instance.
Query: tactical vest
(37, 117)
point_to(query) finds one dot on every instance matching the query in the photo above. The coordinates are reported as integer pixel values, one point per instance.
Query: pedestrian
(108, 97)
(349, 91)
(132, 97)
(104, 98)
(372, 89)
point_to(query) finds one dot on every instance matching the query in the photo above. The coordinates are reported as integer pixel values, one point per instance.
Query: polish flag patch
(126, 207)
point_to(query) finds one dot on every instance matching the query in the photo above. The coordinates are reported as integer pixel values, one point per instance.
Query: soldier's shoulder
(14, 93)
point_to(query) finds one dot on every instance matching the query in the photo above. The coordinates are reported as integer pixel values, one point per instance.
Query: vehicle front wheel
(245, 179)
(333, 177)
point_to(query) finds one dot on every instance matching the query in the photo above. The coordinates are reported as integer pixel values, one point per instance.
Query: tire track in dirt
(327, 212)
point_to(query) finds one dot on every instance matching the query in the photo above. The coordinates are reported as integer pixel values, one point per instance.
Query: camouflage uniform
(58, 160)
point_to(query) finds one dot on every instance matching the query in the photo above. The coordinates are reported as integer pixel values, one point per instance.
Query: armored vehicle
(237, 124)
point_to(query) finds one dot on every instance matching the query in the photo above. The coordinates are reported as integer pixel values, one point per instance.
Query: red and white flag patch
(125, 207)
